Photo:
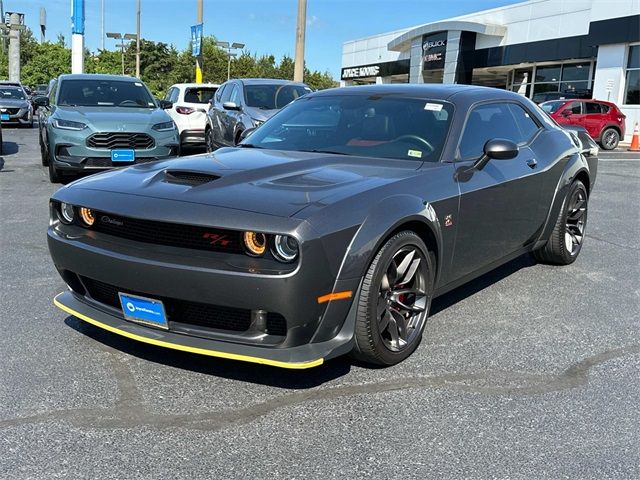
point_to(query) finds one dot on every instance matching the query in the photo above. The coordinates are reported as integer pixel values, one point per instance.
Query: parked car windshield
(199, 94)
(12, 93)
(104, 93)
(272, 97)
(552, 107)
(359, 125)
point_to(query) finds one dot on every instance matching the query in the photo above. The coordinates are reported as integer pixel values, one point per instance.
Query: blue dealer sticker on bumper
(123, 155)
(143, 310)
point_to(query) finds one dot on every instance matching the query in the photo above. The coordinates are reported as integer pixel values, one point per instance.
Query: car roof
(98, 76)
(268, 81)
(8, 85)
(193, 85)
(435, 91)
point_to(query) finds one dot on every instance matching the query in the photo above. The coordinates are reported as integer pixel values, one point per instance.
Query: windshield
(199, 94)
(552, 107)
(272, 97)
(104, 93)
(359, 125)
(12, 93)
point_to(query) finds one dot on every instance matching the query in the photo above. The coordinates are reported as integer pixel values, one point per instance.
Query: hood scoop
(192, 179)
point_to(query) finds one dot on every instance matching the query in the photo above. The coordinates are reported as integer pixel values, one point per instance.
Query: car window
(52, 93)
(486, 122)
(174, 95)
(574, 107)
(592, 107)
(105, 93)
(552, 107)
(527, 125)
(226, 95)
(220, 92)
(235, 95)
(604, 108)
(273, 96)
(12, 93)
(199, 94)
(169, 92)
(360, 126)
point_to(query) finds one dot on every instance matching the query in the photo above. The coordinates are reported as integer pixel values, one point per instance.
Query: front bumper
(312, 333)
(192, 137)
(22, 117)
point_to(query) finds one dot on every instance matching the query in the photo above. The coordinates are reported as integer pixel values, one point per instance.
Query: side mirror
(41, 101)
(230, 106)
(165, 104)
(497, 149)
(567, 113)
(246, 133)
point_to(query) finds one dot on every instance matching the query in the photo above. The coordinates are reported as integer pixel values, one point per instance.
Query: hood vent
(192, 179)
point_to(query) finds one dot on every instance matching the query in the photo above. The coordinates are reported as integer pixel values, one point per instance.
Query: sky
(264, 26)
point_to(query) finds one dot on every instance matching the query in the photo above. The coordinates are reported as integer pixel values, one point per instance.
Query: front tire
(394, 301)
(54, 175)
(610, 139)
(208, 140)
(565, 242)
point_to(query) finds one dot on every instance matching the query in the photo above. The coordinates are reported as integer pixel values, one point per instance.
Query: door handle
(532, 163)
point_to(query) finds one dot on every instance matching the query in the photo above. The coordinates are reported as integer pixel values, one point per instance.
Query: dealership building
(588, 47)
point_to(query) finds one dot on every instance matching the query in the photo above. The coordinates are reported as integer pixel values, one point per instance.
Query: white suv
(189, 110)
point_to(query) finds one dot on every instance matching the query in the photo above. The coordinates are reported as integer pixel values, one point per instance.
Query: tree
(47, 61)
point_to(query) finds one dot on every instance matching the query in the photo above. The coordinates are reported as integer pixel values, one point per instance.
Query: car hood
(114, 118)
(13, 103)
(262, 181)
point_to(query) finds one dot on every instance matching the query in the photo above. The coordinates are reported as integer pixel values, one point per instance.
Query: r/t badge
(448, 221)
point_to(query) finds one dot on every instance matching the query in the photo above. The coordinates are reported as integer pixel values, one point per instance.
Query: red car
(603, 120)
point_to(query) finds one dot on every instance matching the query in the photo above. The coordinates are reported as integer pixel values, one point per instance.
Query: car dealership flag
(196, 39)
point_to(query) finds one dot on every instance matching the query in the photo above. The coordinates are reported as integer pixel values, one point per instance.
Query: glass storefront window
(632, 85)
(549, 73)
(575, 72)
(574, 86)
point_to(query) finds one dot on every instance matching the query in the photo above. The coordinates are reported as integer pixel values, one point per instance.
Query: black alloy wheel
(208, 140)
(394, 301)
(610, 139)
(567, 237)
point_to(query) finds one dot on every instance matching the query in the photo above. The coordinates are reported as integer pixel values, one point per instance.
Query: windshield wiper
(248, 145)
(332, 152)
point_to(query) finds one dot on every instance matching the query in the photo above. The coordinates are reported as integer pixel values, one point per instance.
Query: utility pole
(15, 26)
(199, 57)
(298, 73)
(122, 38)
(102, 23)
(138, 43)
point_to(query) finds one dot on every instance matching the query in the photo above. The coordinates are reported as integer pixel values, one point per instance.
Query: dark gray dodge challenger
(328, 230)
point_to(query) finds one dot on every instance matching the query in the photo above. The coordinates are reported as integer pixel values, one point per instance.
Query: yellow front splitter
(186, 348)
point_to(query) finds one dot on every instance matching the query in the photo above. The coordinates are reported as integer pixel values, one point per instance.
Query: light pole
(199, 21)
(298, 72)
(138, 43)
(122, 38)
(229, 47)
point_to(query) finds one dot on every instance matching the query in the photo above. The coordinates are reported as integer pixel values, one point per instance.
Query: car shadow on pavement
(230, 369)
(10, 148)
(272, 376)
(494, 276)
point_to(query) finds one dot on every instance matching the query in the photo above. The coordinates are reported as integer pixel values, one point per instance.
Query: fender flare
(384, 218)
(576, 166)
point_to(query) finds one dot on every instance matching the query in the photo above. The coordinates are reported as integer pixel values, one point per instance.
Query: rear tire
(394, 301)
(610, 139)
(566, 239)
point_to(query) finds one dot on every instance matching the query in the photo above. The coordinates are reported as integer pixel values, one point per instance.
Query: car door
(45, 113)
(572, 114)
(221, 120)
(171, 93)
(594, 118)
(232, 116)
(498, 209)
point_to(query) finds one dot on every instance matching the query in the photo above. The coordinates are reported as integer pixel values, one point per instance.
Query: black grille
(111, 140)
(189, 178)
(12, 111)
(170, 234)
(190, 313)
(106, 161)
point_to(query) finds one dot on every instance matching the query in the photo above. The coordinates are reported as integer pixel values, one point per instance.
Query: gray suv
(243, 104)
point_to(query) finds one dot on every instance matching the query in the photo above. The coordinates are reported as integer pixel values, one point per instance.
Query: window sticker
(434, 107)
(415, 153)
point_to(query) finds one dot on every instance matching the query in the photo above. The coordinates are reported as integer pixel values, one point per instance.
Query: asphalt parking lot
(529, 372)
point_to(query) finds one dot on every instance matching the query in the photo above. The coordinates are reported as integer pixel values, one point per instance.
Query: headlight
(164, 126)
(285, 248)
(255, 243)
(257, 123)
(67, 213)
(68, 124)
(86, 214)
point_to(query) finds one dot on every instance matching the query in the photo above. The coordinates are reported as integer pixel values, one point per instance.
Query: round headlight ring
(255, 243)
(67, 213)
(285, 248)
(87, 216)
